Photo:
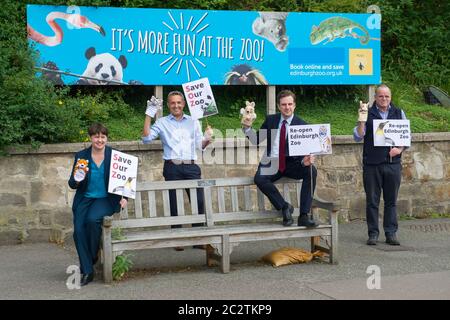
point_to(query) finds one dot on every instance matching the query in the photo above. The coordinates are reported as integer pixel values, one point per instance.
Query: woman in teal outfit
(92, 201)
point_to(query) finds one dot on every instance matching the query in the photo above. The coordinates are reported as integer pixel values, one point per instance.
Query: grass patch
(440, 215)
(404, 217)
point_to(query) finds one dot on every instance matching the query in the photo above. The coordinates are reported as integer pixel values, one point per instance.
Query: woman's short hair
(97, 128)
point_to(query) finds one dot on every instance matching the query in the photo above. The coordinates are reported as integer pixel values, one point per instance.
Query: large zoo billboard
(99, 45)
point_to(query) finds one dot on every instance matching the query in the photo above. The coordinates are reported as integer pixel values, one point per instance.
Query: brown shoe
(179, 249)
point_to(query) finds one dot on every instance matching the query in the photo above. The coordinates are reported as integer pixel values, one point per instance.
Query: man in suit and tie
(277, 163)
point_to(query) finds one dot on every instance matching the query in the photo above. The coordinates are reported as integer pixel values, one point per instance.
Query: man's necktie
(282, 148)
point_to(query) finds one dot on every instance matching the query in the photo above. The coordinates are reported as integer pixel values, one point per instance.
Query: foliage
(117, 234)
(121, 265)
(416, 41)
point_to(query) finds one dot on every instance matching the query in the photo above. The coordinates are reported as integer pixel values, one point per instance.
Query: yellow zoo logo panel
(361, 62)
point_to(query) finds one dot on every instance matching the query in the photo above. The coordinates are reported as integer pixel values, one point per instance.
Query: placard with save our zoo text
(123, 174)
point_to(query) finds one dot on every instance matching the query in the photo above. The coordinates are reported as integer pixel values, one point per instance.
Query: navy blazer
(81, 187)
(271, 123)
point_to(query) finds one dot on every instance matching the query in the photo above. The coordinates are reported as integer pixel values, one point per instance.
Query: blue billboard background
(97, 45)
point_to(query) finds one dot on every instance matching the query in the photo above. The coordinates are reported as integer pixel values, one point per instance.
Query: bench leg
(107, 255)
(334, 238)
(314, 241)
(98, 266)
(225, 253)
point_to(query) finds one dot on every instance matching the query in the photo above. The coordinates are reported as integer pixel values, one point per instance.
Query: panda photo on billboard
(103, 67)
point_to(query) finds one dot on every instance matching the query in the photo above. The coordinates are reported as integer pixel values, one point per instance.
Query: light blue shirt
(383, 115)
(276, 142)
(180, 138)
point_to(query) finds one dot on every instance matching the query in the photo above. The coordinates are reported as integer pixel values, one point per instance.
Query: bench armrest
(327, 205)
(107, 221)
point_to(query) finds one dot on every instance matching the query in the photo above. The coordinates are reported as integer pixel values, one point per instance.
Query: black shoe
(392, 240)
(86, 278)
(287, 215)
(372, 241)
(305, 221)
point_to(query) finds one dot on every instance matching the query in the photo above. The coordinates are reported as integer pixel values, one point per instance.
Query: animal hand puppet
(248, 114)
(81, 168)
(153, 106)
(362, 112)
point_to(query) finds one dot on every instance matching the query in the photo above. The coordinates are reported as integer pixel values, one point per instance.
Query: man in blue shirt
(382, 167)
(181, 137)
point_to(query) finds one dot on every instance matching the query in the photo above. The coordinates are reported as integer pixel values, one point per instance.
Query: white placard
(123, 174)
(200, 99)
(309, 139)
(393, 133)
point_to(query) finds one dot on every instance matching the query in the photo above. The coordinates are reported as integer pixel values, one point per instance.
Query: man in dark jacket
(382, 167)
(277, 162)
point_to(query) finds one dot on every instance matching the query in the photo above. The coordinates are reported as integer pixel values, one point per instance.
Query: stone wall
(35, 200)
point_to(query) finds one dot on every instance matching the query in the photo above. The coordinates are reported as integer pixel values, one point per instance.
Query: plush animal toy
(81, 168)
(363, 111)
(248, 114)
(209, 133)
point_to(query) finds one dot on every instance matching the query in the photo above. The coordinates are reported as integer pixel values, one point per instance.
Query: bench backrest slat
(194, 204)
(166, 203)
(138, 206)
(221, 198)
(208, 207)
(260, 196)
(180, 202)
(248, 198)
(286, 193)
(152, 203)
(195, 183)
(234, 199)
(245, 216)
(158, 221)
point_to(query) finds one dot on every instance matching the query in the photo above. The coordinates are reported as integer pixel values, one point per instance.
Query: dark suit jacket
(114, 199)
(271, 123)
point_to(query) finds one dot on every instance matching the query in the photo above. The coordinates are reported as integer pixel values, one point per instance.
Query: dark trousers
(87, 221)
(377, 177)
(264, 181)
(183, 171)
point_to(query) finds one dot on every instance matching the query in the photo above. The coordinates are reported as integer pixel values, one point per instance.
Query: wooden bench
(235, 213)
